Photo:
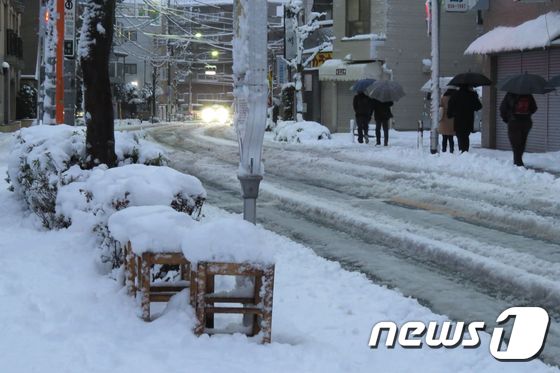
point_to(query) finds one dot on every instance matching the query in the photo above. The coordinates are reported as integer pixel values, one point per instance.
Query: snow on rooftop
(536, 33)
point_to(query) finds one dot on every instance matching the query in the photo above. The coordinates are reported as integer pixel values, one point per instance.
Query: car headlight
(222, 115)
(208, 115)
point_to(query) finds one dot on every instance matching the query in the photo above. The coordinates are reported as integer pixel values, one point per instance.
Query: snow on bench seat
(155, 229)
(228, 240)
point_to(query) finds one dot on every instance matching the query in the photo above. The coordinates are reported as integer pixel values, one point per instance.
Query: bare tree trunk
(95, 47)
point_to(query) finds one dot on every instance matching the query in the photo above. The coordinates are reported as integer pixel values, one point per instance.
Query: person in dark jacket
(516, 111)
(363, 107)
(382, 114)
(461, 108)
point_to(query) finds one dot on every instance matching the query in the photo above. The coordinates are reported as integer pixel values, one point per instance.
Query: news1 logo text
(526, 340)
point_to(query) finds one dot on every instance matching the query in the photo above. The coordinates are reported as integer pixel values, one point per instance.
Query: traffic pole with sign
(250, 93)
(59, 96)
(69, 61)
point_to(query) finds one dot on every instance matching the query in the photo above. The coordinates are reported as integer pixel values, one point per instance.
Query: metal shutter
(554, 104)
(534, 62)
(345, 109)
(508, 65)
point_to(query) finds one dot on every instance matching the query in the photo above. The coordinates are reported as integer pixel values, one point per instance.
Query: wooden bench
(138, 273)
(257, 307)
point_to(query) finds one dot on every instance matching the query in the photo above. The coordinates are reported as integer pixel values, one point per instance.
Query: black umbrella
(526, 84)
(554, 82)
(470, 79)
(385, 91)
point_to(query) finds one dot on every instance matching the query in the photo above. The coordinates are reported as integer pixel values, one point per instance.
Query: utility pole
(59, 96)
(69, 61)
(434, 143)
(250, 93)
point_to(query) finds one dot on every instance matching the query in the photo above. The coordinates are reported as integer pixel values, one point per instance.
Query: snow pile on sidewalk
(90, 201)
(40, 155)
(301, 132)
(160, 228)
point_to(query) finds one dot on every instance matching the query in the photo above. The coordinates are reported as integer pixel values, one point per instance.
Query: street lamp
(198, 35)
(214, 54)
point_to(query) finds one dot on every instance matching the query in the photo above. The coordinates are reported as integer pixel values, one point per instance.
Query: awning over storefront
(338, 70)
(536, 33)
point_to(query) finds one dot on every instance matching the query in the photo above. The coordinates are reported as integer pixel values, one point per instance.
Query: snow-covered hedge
(97, 194)
(40, 155)
(301, 132)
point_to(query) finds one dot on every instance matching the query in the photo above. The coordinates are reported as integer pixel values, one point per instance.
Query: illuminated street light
(198, 35)
(214, 53)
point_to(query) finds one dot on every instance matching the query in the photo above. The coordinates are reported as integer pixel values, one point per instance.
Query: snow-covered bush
(301, 132)
(97, 194)
(40, 156)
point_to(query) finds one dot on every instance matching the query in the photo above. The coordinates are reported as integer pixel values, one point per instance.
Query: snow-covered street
(468, 235)
(61, 313)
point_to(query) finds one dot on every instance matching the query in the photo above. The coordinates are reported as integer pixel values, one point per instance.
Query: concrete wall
(408, 43)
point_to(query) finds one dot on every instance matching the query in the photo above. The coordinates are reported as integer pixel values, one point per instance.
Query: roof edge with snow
(536, 33)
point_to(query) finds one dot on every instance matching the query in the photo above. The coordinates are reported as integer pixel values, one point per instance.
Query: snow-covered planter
(40, 155)
(96, 195)
(301, 132)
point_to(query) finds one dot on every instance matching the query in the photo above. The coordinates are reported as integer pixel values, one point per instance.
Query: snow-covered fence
(41, 155)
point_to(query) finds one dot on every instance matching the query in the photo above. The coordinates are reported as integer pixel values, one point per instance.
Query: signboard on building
(320, 58)
(69, 27)
(457, 5)
(281, 70)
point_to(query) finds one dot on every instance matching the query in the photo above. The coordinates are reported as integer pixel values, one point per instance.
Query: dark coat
(507, 109)
(363, 105)
(382, 110)
(461, 108)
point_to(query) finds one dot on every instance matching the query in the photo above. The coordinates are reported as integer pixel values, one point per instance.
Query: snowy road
(466, 236)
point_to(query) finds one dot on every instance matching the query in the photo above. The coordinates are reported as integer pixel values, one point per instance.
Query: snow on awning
(338, 70)
(533, 34)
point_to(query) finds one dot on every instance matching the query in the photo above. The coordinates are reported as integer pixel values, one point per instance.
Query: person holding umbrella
(517, 107)
(384, 93)
(463, 104)
(382, 115)
(363, 107)
(445, 124)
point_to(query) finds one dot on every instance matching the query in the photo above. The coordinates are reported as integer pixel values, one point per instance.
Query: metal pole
(59, 104)
(250, 92)
(434, 143)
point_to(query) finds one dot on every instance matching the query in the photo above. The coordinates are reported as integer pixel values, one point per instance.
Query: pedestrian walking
(382, 115)
(516, 111)
(363, 107)
(445, 124)
(461, 107)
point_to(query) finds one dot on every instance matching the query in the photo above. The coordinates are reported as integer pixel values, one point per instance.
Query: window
(357, 17)
(131, 68)
(132, 35)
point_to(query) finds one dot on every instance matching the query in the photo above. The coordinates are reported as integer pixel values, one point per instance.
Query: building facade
(11, 57)
(393, 34)
(534, 34)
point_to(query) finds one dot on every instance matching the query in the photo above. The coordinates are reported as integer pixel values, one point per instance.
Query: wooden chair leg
(146, 269)
(268, 283)
(257, 282)
(200, 300)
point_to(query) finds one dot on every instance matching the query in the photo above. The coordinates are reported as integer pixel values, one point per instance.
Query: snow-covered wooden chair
(152, 235)
(254, 303)
(138, 274)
